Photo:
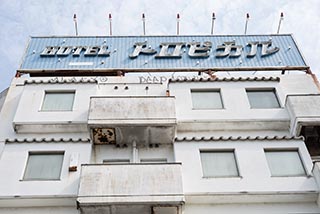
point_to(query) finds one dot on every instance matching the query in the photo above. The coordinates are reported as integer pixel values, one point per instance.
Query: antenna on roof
(178, 20)
(280, 21)
(75, 23)
(246, 26)
(110, 24)
(212, 24)
(144, 24)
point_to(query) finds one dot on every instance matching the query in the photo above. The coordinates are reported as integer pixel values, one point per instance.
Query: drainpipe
(134, 152)
(314, 77)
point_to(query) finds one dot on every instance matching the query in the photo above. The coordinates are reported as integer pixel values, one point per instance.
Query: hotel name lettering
(170, 50)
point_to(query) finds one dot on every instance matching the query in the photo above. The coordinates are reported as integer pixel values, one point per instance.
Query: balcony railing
(105, 184)
(144, 119)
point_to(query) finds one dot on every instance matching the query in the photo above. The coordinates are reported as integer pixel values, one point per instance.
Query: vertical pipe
(75, 23)
(280, 21)
(144, 24)
(178, 20)
(212, 23)
(110, 24)
(134, 152)
(246, 26)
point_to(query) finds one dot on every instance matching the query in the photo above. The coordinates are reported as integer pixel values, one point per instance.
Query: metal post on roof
(75, 23)
(110, 24)
(246, 26)
(178, 20)
(280, 21)
(212, 23)
(144, 24)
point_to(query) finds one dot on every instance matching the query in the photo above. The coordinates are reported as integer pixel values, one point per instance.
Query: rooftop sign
(162, 53)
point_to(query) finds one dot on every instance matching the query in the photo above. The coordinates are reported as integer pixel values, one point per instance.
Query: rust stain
(104, 136)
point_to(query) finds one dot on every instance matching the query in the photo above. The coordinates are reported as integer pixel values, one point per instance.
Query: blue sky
(22, 19)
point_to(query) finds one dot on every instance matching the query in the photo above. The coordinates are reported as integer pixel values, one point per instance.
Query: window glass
(116, 161)
(285, 163)
(206, 99)
(219, 164)
(58, 101)
(263, 99)
(43, 166)
(154, 160)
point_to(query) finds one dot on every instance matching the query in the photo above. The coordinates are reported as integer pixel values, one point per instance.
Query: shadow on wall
(3, 96)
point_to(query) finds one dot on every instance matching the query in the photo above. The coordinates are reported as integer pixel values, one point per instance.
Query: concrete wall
(236, 104)
(23, 102)
(131, 183)
(253, 168)
(3, 95)
(252, 208)
(131, 110)
(41, 210)
(8, 111)
(234, 98)
(32, 99)
(70, 121)
(13, 163)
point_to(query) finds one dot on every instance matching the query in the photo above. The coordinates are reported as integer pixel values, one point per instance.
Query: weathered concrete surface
(131, 183)
(144, 119)
(304, 110)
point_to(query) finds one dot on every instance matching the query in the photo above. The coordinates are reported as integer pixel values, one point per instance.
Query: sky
(20, 19)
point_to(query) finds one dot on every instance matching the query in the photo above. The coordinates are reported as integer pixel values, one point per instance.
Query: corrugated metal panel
(121, 47)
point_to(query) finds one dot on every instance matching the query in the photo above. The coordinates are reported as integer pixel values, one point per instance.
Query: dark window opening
(311, 135)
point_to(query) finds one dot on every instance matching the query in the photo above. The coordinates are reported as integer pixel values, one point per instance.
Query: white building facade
(87, 127)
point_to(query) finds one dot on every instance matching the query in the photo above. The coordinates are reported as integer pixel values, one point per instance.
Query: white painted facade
(154, 163)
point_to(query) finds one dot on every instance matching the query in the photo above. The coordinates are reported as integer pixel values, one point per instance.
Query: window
(285, 163)
(219, 164)
(116, 161)
(311, 135)
(206, 99)
(43, 166)
(154, 160)
(58, 101)
(264, 98)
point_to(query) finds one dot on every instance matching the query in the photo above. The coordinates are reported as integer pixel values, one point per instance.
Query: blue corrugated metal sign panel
(154, 53)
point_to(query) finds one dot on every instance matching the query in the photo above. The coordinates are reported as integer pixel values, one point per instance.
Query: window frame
(297, 150)
(58, 92)
(207, 90)
(43, 153)
(217, 151)
(270, 89)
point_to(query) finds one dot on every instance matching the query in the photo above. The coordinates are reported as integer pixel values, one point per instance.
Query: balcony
(305, 120)
(304, 111)
(131, 188)
(122, 120)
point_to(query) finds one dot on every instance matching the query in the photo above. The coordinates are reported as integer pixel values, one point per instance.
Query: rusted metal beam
(115, 71)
